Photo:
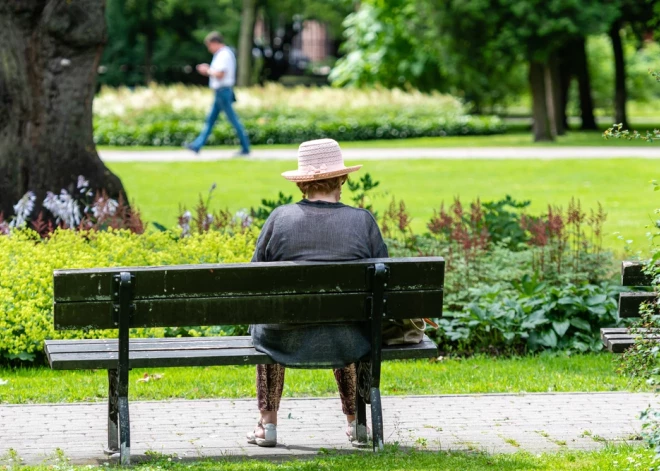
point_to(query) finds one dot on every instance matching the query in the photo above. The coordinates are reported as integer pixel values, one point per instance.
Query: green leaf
(159, 226)
(561, 327)
(580, 324)
(596, 299)
(548, 338)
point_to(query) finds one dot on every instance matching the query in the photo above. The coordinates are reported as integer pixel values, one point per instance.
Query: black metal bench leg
(124, 293)
(376, 419)
(124, 432)
(113, 414)
(361, 419)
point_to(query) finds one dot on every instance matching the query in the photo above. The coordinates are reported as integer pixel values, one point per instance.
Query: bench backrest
(632, 274)
(277, 292)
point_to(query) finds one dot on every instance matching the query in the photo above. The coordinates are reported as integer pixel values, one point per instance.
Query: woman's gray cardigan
(321, 232)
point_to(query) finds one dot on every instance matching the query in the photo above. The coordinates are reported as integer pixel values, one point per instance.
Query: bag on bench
(405, 331)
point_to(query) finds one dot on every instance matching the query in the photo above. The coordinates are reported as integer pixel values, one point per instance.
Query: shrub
(515, 282)
(79, 208)
(286, 130)
(170, 116)
(26, 274)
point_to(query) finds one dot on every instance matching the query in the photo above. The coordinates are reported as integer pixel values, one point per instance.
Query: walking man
(222, 77)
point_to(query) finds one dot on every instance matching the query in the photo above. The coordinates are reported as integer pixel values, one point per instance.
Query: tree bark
(248, 16)
(620, 93)
(553, 94)
(584, 83)
(49, 55)
(541, 127)
(149, 38)
(565, 77)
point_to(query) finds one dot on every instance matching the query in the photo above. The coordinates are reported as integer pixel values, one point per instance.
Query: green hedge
(26, 275)
(167, 131)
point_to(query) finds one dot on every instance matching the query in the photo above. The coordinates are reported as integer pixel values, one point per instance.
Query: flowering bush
(161, 116)
(515, 282)
(26, 275)
(85, 210)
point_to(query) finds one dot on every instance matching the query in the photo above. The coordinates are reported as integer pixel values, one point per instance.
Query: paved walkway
(214, 428)
(543, 153)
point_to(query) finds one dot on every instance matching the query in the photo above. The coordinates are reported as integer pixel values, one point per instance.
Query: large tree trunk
(149, 39)
(565, 77)
(248, 16)
(553, 94)
(620, 94)
(584, 83)
(542, 130)
(49, 54)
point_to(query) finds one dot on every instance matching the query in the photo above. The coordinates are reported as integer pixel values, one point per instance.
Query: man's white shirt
(223, 61)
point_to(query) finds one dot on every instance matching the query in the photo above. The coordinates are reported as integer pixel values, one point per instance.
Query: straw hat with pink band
(318, 160)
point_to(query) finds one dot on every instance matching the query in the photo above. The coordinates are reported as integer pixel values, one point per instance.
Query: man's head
(214, 41)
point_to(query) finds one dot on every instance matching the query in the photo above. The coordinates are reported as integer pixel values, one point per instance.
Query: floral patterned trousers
(270, 383)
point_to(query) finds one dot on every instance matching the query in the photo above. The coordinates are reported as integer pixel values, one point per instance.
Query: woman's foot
(263, 435)
(351, 431)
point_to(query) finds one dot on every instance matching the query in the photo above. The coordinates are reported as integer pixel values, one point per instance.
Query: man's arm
(205, 69)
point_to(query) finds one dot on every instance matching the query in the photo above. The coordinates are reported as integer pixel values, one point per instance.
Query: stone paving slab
(451, 153)
(494, 423)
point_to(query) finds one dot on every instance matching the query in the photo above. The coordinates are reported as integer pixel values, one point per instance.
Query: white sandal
(351, 432)
(270, 435)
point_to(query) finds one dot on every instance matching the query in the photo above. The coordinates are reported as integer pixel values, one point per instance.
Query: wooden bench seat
(193, 351)
(364, 292)
(619, 339)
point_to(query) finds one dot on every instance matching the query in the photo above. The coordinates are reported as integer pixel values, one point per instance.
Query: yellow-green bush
(26, 274)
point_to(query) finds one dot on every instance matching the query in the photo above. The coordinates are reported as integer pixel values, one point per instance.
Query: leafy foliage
(158, 116)
(292, 130)
(26, 275)
(549, 290)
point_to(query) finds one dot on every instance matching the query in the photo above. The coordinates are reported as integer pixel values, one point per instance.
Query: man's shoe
(242, 153)
(191, 148)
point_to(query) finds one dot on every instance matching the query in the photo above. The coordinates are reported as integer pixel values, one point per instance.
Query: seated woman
(318, 228)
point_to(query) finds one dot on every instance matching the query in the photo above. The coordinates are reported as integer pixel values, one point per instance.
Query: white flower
(64, 208)
(184, 223)
(83, 184)
(22, 209)
(104, 207)
(243, 218)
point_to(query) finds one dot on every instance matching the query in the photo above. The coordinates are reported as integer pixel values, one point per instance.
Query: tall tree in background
(246, 42)
(536, 31)
(639, 16)
(49, 54)
(161, 40)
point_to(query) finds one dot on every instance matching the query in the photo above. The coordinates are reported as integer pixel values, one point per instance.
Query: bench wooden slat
(617, 340)
(629, 303)
(248, 310)
(248, 279)
(619, 345)
(612, 331)
(199, 357)
(198, 343)
(632, 274)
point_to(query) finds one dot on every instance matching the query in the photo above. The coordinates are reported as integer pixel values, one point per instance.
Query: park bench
(618, 339)
(365, 291)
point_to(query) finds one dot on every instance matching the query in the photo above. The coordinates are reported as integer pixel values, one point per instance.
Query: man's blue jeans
(224, 98)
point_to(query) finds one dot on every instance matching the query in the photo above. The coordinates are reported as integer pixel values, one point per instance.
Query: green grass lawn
(623, 458)
(518, 135)
(544, 373)
(621, 185)
(512, 139)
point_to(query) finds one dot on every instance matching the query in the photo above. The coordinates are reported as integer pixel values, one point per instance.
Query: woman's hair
(327, 185)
